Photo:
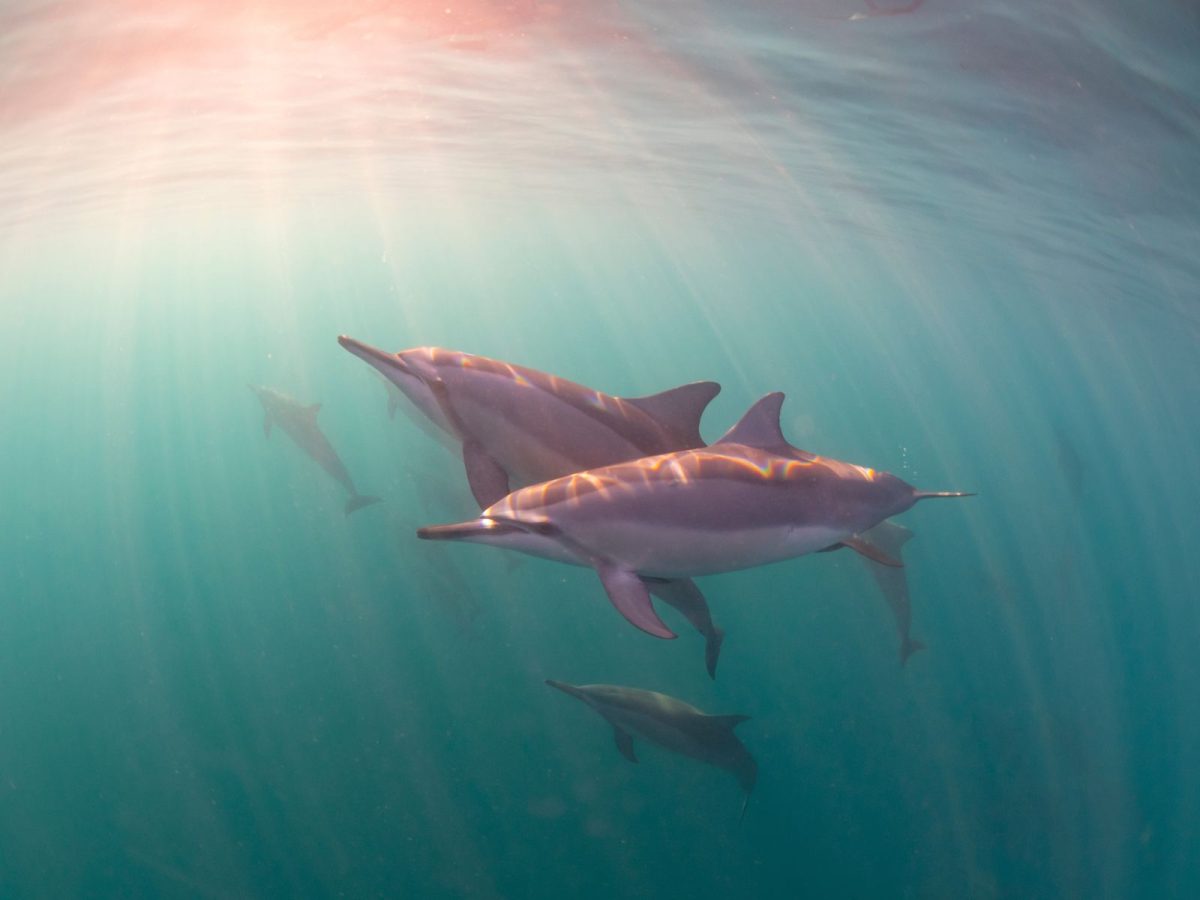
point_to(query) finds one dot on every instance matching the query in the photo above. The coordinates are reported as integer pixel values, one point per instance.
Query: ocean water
(964, 239)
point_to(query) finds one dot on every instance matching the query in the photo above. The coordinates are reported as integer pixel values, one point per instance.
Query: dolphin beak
(566, 688)
(381, 360)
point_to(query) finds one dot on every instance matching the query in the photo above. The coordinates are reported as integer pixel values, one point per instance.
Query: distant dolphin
(519, 424)
(670, 723)
(748, 500)
(299, 422)
(893, 582)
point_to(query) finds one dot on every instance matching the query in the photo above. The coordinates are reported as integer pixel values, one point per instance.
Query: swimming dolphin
(299, 422)
(893, 582)
(519, 424)
(748, 500)
(670, 723)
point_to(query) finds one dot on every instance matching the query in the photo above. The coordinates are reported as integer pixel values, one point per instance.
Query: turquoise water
(962, 239)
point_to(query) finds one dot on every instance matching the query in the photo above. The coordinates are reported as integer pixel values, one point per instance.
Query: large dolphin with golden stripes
(747, 500)
(670, 723)
(299, 422)
(519, 425)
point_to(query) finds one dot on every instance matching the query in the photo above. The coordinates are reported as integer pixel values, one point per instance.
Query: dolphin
(299, 422)
(892, 582)
(519, 424)
(748, 500)
(670, 723)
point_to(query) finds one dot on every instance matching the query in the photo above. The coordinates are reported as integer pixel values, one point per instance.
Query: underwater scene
(599, 448)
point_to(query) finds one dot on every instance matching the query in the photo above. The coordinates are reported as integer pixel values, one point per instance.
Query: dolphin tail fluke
(358, 501)
(938, 495)
(685, 596)
(712, 650)
(908, 648)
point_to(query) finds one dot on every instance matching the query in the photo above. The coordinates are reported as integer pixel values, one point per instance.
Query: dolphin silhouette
(299, 422)
(748, 500)
(670, 723)
(519, 424)
(892, 582)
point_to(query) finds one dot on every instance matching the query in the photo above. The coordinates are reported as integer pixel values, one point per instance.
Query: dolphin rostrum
(670, 723)
(748, 500)
(299, 422)
(517, 424)
(893, 583)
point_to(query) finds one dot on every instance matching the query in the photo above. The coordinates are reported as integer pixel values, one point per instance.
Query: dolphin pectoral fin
(871, 552)
(488, 480)
(358, 501)
(624, 741)
(266, 426)
(629, 595)
(683, 595)
(679, 409)
(393, 405)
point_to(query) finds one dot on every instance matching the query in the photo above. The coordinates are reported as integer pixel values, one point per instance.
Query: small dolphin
(890, 538)
(670, 723)
(748, 500)
(519, 424)
(299, 422)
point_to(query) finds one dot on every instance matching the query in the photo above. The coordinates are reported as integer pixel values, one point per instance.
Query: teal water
(961, 239)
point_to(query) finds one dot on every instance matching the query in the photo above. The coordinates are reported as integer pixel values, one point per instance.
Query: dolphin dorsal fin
(313, 409)
(679, 410)
(759, 427)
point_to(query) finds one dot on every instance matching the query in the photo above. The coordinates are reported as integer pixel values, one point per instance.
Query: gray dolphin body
(520, 425)
(670, 723)
(890, 538)
(748, 500)
(299, 422)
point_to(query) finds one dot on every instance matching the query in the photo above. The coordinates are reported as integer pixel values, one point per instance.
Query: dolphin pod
(518, 424)
(748, 500)
(627, 487)
(299, 422)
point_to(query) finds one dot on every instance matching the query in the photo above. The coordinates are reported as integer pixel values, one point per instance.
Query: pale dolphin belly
(681, 552)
